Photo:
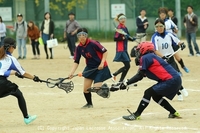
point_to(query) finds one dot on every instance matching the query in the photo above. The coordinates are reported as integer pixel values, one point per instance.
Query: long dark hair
(46, 14)
(1, 19)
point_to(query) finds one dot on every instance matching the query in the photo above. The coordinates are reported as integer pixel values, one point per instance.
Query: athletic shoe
(19, 58)
(71, 57)
(24, 57)
(184, 92)
(198, 54)
(175, 115)
(186, 69)
(190, 55)
(30, 119)
(87, 106)
(180, 97)
(131, 117)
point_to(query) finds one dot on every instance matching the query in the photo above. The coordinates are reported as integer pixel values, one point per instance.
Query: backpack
(18, 24)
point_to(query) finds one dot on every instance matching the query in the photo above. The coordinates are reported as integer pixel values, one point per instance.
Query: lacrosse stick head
(51, 83)
(66, 86)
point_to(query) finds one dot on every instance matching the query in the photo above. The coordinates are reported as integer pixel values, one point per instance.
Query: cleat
(184, 92)
(115, 87)
(87, 106)
(175, 115)
(131, 117)
(180, 97)
(30, 119)
(186, 69)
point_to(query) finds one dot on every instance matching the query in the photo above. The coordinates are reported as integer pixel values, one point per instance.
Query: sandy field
(59, 112)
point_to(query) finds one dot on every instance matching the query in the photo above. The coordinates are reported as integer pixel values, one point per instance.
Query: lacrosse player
(172, 28)
(121, 49)
(155, 68)
(95, 55)
(163, 42)
(10, 66)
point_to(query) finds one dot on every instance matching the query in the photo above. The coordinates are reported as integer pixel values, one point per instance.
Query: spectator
(34, 34)
(47, 32)
(71, 28)
(191, 25)
(2, 31)
(21, 34)
(142, 25)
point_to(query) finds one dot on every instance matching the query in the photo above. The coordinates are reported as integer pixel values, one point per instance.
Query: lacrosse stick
(120, 31)
(61, 83)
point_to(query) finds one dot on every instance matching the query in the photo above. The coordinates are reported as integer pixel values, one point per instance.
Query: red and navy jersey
(92, 51)
(156, 68)
(121, 44)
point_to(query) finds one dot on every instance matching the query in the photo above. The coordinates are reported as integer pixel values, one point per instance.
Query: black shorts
(7, 87)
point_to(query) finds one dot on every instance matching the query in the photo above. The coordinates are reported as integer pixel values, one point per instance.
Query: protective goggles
(84, 34)
(159, 25)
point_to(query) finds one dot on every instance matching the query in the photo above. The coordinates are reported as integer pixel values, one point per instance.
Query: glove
(19, 75)
(124, 85)
(36, 79)
(182, 45)
(137, 61)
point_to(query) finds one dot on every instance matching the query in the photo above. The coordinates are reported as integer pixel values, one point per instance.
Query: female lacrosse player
(121, 49)
(155, 68)
(163, 42)
(172, 28)
(96, 69)
(10, 66)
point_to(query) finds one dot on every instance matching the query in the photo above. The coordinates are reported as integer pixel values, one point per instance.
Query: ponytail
(2, 52)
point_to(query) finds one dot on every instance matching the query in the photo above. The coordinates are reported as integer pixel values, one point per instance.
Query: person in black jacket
(47, 32)
(142, 25)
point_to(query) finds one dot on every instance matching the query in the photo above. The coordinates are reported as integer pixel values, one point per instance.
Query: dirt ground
(60, 112)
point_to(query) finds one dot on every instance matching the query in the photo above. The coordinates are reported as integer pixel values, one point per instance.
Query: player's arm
(139, 76)
(101, 66)
(75, 66)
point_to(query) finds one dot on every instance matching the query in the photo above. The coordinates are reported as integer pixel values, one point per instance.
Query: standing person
(172, 28)
(142, 25)
(34, 34)
(10, 66)
(191, 25)
(96, 70)
(155, 68)
(21, 34)
(172, 17)
(71, 28)
(2, 31)
(47, 32)
(163, 42)
(121, 49)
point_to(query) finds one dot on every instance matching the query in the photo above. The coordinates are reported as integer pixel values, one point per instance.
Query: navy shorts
(168, 88)
(97, 75)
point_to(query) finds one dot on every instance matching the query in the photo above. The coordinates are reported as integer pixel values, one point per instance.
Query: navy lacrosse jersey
(156, 68)
(92, 51)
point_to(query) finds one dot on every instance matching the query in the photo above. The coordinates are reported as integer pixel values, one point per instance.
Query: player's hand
(19, 75)
(182, 45)
(70, 76)
(124, 85)
(36, 79)
(165, 58)
(133, 38)
(100, 67)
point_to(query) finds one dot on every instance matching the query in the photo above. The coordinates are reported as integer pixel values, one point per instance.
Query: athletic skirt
(7, 87)
(168, 88)
(97, 75)
(122, 56)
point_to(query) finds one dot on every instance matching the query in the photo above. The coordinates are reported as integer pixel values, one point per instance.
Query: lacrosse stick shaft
(174, 53)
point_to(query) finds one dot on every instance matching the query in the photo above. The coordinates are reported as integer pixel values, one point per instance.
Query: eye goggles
(159, 25)
(122, 17)
(84, 34)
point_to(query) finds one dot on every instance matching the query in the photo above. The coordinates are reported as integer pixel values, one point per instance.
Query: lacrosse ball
(135, 84)
(80, 74)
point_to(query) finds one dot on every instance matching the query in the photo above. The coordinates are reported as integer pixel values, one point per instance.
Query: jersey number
(164, 45)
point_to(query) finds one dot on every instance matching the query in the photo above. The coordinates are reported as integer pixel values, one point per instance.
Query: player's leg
(69, 42)
(87, 94)
(148, 93)
(180, 61)
(165, 104)
(125, 71)
(33, 48)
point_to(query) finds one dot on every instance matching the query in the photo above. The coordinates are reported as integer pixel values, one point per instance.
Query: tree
(61, 5)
